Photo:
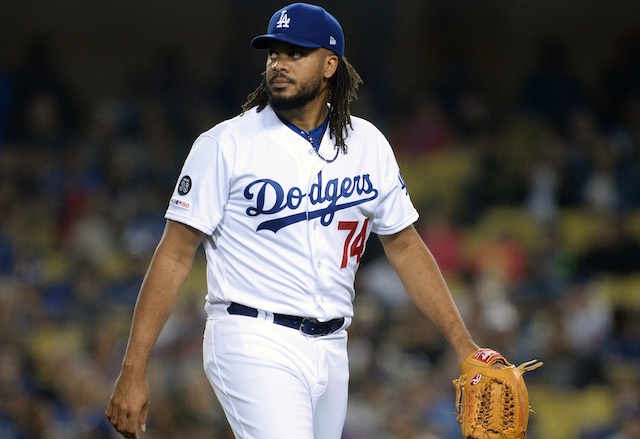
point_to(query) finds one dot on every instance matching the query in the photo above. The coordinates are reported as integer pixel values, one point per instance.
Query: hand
(129, 405)
(499, 364)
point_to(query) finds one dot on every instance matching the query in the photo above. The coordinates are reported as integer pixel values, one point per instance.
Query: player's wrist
(134, 367)
(465, 349)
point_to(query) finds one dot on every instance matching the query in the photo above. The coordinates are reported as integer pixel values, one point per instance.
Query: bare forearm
(157, 298)
(159, 293)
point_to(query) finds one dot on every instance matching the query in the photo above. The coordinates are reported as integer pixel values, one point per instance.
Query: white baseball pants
(274, 382)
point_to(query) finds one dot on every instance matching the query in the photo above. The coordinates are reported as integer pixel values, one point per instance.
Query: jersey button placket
(313, 237)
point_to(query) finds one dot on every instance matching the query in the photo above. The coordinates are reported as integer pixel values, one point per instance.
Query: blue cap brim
(263, 41)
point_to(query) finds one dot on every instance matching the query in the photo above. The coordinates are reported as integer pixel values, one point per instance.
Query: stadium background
(517, 125)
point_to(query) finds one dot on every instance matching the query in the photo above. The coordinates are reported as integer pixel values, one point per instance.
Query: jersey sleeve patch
(185, 185)
(180, 203)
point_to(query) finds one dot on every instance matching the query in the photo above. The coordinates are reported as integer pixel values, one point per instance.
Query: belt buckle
(313, 331)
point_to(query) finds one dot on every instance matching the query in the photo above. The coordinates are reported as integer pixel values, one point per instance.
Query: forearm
(423, 281)
(167, 272)
(158, 296)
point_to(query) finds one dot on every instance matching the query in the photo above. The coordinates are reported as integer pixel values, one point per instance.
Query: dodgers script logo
(270, 199)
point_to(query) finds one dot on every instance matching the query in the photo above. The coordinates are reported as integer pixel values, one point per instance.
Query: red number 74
(354, 244)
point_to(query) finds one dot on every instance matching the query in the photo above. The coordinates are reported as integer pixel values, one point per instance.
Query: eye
(296, 54)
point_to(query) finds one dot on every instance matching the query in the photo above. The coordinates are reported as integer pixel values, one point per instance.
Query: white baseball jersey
(285, 229)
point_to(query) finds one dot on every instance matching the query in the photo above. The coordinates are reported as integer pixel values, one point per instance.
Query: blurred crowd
(83, 189)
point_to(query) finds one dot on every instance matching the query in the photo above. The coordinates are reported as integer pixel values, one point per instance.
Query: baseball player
(283, 198)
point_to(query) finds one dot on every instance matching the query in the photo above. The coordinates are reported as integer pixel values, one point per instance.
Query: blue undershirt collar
(314, 136)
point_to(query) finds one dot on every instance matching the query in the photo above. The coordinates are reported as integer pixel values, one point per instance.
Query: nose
(278, 65)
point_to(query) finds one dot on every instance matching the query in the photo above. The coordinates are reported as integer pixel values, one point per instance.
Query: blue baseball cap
(303, 25)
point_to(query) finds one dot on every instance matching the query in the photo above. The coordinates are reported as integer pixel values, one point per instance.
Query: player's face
(295, 75)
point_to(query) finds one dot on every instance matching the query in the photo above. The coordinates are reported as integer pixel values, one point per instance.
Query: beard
(308, 91)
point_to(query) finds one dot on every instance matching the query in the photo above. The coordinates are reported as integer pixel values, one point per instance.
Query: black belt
(306, 325)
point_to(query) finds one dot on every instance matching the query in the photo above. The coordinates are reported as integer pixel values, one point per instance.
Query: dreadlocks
(342, 91)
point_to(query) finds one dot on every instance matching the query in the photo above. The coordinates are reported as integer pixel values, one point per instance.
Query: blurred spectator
(501, 259)
(584, 140)
(624, 345)
(627, 410)
(6, 103)
(552, 90)
(545, 179)
(443, 239)
(626, 138)
(424, 130)
(629, 427)
(378, 278)
(587, 322)
(7, 257)
(464, 102)
(578, 329)
(491, 313)
(93, 235)
(601, 190)
(42, 125)
(614, 249)
(547, 276)
(45, 111)
(619, 79)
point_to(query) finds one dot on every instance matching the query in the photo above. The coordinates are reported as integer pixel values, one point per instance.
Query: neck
(308, 117)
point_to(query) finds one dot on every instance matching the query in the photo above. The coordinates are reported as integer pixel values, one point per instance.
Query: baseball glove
(491, 397)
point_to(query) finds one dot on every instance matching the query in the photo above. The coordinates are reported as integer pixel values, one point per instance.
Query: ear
(331, 62)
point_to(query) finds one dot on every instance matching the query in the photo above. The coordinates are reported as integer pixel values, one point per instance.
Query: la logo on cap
(284, 20)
